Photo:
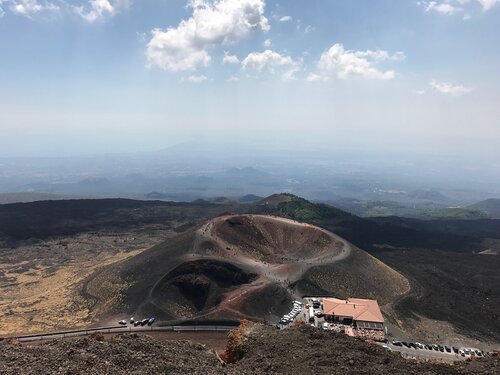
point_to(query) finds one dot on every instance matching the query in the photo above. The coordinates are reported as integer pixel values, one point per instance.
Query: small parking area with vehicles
(307, 311)
(447, 353)
(353, 317)
(292, 315)
(362, 318)
(137, 323)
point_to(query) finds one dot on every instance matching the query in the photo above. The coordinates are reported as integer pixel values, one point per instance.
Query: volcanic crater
(237, 266)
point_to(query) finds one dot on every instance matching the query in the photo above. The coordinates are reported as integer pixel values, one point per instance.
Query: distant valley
(133, 256)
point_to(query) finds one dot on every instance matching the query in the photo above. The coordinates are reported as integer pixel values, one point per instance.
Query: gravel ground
(259, 350)
(307, 350)
(127, 354)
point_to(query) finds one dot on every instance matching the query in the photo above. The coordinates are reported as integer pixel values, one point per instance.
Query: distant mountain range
(26, 197)
(490, 206)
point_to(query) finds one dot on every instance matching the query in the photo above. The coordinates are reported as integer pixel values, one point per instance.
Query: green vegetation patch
(302, 209)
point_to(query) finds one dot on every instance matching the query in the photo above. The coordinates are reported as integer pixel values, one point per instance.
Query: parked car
(144, 322)
(151, 321)
(397, 343)
(122, 322)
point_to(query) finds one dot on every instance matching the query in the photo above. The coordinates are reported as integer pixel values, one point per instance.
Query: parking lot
(310, 311)
(302, 311)
(433, 351)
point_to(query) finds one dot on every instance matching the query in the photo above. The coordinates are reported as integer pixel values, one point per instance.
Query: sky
(82, 77)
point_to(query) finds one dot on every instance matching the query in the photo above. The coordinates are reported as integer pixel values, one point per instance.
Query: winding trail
(283, 271)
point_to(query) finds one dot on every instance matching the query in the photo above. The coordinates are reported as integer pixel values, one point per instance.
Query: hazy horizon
(87, 77)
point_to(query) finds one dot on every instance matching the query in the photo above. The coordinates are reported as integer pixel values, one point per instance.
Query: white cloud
(419, 92)
(452, 7)
(488, 4)
(212, 23)
(448, 88)
(286, 19)
(272, 62)
(309, 29)
(443, 8)
(30, 7)
(313, 77)
(100, 9)
(197, 79)
(233, 78)
(230, 59)
(380, 55)
(306, 30)
(340, 63)
(92, 10)
(267, 43)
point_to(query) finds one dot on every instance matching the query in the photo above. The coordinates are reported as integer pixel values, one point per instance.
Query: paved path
(120, 329)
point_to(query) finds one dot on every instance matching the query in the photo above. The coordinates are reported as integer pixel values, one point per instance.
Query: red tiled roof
(366, 310)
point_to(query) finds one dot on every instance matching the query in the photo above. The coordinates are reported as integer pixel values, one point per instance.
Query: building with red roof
(362, 314)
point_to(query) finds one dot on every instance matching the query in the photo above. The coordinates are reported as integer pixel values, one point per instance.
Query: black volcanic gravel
(265, 351)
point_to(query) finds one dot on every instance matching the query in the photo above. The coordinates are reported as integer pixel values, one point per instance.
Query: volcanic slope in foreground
(254, 348)
(239, 266)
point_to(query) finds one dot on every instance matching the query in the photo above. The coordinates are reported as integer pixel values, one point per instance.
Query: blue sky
(80, 77)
